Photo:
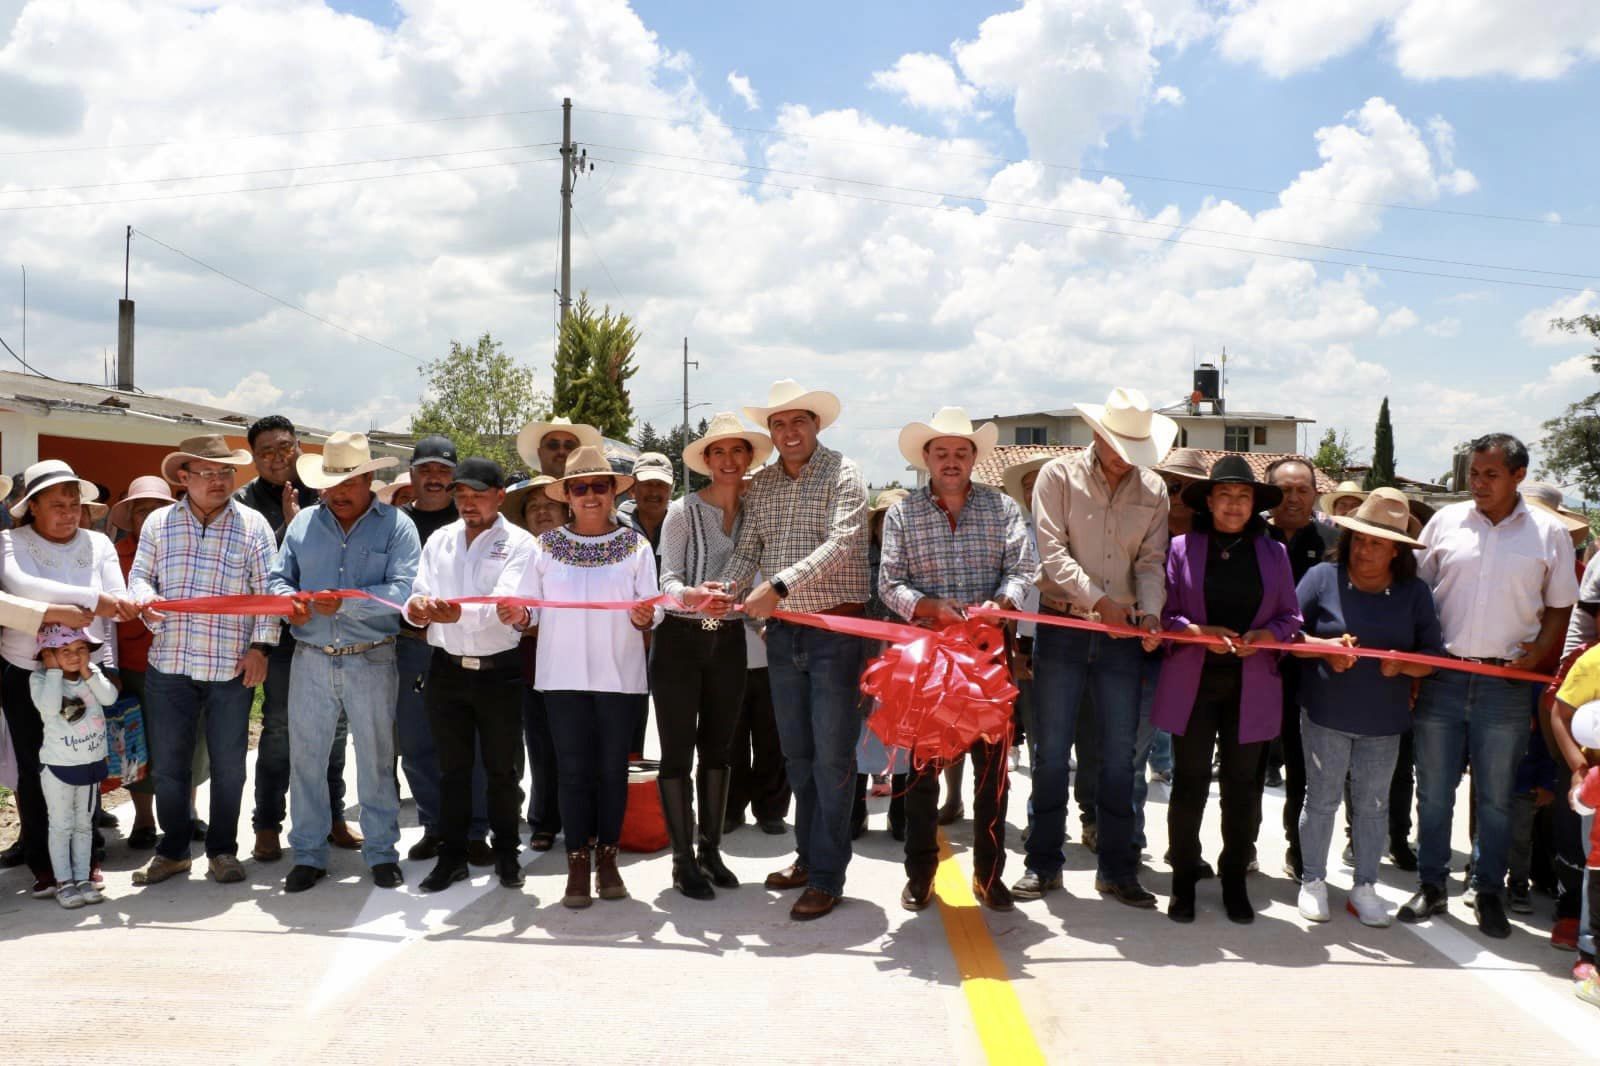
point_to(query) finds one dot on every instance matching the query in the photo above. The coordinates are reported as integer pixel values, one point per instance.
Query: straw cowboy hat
(788, 395)
(1185, 463)
(533, 434)
(949, 422)
(1126, 422)
(1346, 490)
(1231, 470)
(344, 456)
(887, 499)
(517, 498)
(386, 493)
(212, 448)
(1011, 477)
(148, 487)
(1384, 513)
(1548, 498)
(48, 473)
(587, 462)
(726, 426)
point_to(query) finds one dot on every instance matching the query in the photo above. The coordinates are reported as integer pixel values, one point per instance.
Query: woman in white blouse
(697, 660)
(48, 558)
(591, 664)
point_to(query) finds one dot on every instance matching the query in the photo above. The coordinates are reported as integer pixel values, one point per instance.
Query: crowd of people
(698, 606)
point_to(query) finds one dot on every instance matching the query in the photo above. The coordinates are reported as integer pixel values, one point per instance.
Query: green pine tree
(1382, 472)
(594, 360)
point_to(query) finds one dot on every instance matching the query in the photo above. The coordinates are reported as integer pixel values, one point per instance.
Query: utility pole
(686, 365)
(125, 321)
(566, 206)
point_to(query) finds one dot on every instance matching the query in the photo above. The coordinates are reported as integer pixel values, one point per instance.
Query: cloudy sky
(1006, 207)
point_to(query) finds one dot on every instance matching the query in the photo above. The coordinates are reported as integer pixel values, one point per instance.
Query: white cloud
(927, 82)
(1444, 328)
(1169, 94)
(1398, 321)
(1535, 325)
(254, 392)
(741, 87)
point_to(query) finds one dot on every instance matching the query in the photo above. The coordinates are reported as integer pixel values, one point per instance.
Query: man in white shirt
(474, 688)
(1504, 581)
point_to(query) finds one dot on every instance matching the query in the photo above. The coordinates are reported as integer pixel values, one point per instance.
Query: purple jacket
(1261, 710)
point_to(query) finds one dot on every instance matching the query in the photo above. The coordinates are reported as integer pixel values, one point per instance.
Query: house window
(1236, 438)
(1259, 434)
(1030, 435)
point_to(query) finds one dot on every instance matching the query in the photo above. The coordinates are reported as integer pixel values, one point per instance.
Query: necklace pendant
(1225, 555)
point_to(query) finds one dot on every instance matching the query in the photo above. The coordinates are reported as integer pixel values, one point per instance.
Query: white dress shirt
(491, 565)
(1493, 581)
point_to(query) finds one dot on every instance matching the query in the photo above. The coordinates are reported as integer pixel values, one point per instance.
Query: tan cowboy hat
(386, 493)
(788, 395)
(948, 422)
(1185, 463)
(148, 487)
(1346, 490)
(533, 434)
(48, 473)
(517, 498)
(887, 499)
(344, 456)
(587, 462)
(1127, 423)
(1384, 513)
(1550, 499)
(1011, 477)
(212, 448)
(726, 426)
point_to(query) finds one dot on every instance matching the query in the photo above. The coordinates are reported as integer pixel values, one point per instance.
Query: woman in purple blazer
(1229, 579)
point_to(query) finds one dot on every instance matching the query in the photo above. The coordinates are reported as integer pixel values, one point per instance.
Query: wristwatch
(264, 649)
(780, 588)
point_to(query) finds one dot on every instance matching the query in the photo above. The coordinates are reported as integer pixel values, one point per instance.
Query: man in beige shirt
(1102, 530)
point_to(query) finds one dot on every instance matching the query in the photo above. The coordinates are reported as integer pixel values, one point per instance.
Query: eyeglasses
(225, 474)
(602, 487)
(281, 451)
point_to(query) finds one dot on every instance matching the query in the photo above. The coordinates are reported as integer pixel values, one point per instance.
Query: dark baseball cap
(480, 474)
(434, 449)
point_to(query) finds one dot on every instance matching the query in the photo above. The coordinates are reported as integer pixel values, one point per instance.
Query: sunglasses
(580, 489)
(559, 445)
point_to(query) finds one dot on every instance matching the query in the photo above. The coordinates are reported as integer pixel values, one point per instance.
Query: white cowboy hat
(1384, 513)
(1011, 477)
(344, 456)
(387, 492)
(948, 422)
(1549, 498)
(1346, 490)
(726, 426)
(533, 434)
(788, 395)
(45, 474)
(587, 462)
(211, 448)
(1127, 423)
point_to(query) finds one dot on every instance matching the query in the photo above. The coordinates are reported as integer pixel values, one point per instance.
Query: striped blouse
(693, 546)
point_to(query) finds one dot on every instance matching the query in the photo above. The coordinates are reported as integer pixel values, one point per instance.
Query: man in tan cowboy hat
(1102, 527)
(805, 528)
(545, 446)
(946, 547)
(208, 545)
(345, 657)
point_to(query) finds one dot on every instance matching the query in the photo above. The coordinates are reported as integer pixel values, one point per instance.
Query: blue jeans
(361, 687)
(1151, 746)
(593, 732)
(1459, 717)
(814, 677)
(1331, 754)
(177, 702)
(272, 749)
(419, 757)
(1065, 663)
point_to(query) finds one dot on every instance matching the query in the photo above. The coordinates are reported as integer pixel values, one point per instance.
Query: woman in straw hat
(1354, 711)
(1342, 500)
(591, 664)
(697, 660)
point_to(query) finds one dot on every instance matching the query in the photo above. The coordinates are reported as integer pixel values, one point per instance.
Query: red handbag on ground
(644, 824)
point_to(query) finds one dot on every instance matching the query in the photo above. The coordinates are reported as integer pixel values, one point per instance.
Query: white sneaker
(90, 893)
(69, 897)
(1314, 901)
(1363, 902)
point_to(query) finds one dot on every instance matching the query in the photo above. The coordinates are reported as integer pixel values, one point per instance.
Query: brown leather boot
(268, 847)
(345, 837)
(607, 879)
(577, 895)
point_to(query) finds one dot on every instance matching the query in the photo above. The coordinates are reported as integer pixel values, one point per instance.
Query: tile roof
(1004, 455)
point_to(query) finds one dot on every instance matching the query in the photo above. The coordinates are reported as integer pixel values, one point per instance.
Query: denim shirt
(379, 555)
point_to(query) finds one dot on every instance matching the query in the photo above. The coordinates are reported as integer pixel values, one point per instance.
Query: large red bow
(939, 693)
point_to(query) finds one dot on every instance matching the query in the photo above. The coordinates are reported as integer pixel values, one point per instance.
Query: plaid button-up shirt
(178, 557)
(988, 554)
(808, 532)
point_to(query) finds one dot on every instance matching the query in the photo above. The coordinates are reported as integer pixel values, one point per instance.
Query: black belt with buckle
(708, 625)
(511, 659)
(1484, 662)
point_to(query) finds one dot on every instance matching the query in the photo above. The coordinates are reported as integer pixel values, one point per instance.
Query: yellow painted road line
(1002, 1027)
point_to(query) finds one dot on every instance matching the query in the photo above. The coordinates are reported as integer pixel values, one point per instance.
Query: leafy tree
(1571, 444)
(1334, 454)
(479, 397)
(1381, 473)
(594, 360)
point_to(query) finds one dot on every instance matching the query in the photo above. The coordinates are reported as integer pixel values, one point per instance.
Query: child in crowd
(70, 693)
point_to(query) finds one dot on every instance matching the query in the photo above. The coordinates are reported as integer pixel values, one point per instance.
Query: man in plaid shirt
(805, 527)
(207, 544)
(946, 547)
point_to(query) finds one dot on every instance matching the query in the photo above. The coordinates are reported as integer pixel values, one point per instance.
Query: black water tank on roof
(1208, 381)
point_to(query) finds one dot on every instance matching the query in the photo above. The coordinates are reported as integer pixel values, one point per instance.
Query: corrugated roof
(1004, 455)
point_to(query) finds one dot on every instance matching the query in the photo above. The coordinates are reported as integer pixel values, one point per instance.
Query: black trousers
(757, 777)
(27, 737)
(1214, 724)
(544, 796)
(697, 677)
(471, 710)
(1294, 762)
(990, 791)
(1086, 749)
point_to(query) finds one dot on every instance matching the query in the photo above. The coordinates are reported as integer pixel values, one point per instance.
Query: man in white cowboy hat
(546, 446)
(1102, 525)
(949, 546)
(209, 544)
(345, 658)
(805, 529)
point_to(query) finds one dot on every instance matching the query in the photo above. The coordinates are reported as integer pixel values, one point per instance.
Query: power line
(1121, 174)
(596, 250)
(1170, 239)
(1104, 217)
(277, 133)
(277, 299)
